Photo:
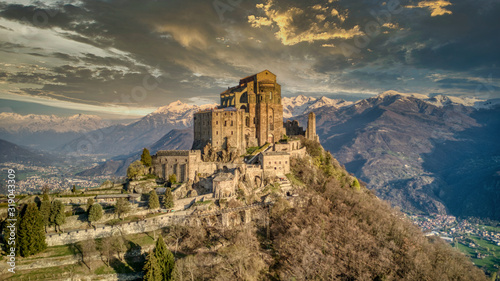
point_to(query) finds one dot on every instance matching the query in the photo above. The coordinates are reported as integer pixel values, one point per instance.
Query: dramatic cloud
(295, 25)
(144, 54)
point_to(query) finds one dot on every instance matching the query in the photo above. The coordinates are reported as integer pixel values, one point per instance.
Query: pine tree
(146, 158)
(73, 189)
(45, 207)
(31, 234)
(168, 199)
(57, 215)
(166, 260)
(153, 202)
(95, 213)
(152, 271)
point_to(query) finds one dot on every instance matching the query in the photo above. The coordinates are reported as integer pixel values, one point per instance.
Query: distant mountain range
(12, 153)
(433, 155)
(176, 139)
(436, 154)
(126, 139)
(46, 131)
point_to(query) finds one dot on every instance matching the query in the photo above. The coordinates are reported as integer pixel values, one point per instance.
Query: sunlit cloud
(437, 7)
(320, 25)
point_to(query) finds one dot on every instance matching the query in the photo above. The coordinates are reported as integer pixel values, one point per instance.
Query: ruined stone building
(250, 115)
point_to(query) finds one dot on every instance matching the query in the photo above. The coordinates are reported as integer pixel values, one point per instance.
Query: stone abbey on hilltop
(250, 117)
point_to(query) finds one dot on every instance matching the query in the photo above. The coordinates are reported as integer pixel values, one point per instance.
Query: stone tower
(250, 114)
(311, 127)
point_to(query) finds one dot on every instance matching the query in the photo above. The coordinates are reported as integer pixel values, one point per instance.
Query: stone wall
(275, 163)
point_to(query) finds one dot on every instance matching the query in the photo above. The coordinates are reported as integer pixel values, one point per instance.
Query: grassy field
(491, 263)
(97, 267)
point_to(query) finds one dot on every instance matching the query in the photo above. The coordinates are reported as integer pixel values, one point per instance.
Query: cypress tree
(153, 202)
(166, 260)
(168, 199)
(57, 215)
(45, 207)
(152, 271)
(146, 158)
(31, 234)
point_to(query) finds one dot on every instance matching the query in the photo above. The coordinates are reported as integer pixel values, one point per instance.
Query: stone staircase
(285, 184)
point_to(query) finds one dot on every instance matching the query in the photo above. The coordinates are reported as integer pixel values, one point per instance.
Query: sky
(125, 58)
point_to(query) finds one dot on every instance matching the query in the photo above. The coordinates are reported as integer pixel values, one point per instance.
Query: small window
(280, 162)
(225, 123)
(217, 132)
(286, 162)
(216, 122)
(231, 133)
(232, 123)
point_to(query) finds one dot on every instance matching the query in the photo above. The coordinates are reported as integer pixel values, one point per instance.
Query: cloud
(309, 24)
(437, 7)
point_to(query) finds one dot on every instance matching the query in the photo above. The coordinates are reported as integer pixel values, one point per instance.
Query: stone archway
(270, 138)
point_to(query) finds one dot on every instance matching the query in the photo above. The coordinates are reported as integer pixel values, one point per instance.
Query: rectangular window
(231, 133)
(217, 132)
(231, 122)
(216, 122)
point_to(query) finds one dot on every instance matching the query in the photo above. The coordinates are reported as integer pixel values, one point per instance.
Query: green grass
(45, 273)
(491, 228)
(59, 251)
(293, 180)
(251, 150)
(206, 202)
(491, 262)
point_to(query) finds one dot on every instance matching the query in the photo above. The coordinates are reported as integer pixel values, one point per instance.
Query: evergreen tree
(153, 202)
(168, 199)
(31, 234)
(90, 202)
(45, 209)
(122, 207)
(166, 260)
(172, 179)
(135, 170)
(146, 158)
(152, 271)
(95, 213)
(57, 215)
(73, 189)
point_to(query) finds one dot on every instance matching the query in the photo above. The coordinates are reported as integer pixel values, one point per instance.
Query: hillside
(335, 231)
(12, 153)
(117, 166)
(418, 153)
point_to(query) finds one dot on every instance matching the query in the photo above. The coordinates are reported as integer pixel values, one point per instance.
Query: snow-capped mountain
(118, 140)
(13, 122)
(442, 100)
(177, 113)
(46, 132)
(300, 104)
